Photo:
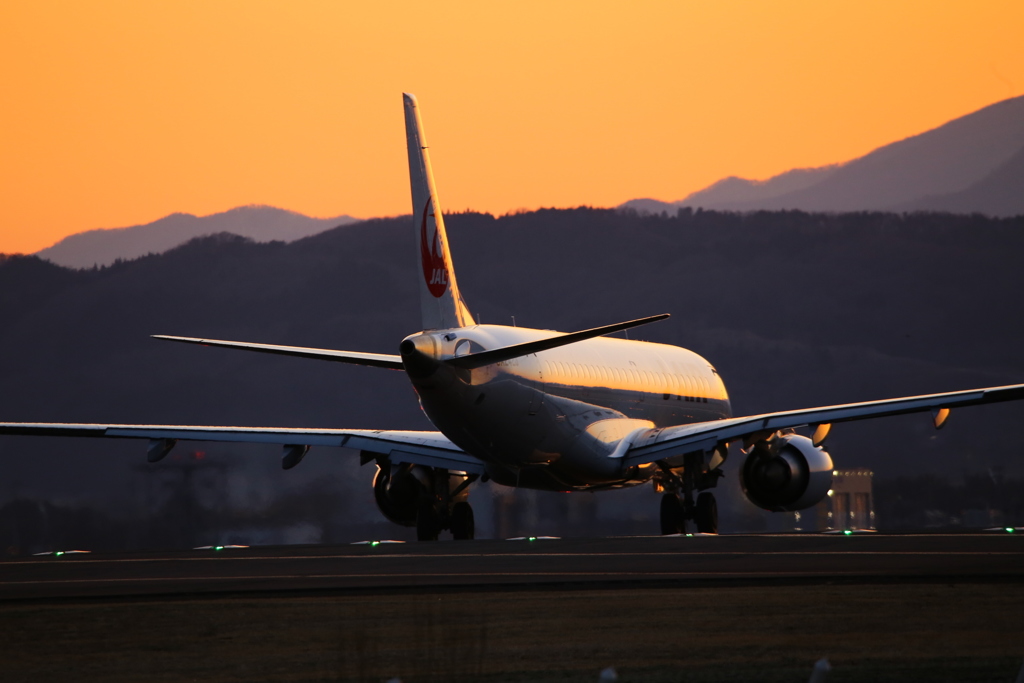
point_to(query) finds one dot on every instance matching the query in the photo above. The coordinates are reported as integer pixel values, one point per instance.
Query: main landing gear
(678, 505)
(430, 522)
(431, 499)
(673, 519)
(674, 515)
(462, 522)
(445, 508)
(705, 513)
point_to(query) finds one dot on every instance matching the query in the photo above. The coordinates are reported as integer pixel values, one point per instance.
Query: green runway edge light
(61, 553)
(374, 544)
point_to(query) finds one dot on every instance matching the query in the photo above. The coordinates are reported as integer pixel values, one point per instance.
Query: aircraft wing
(667, 442)
(431, 449)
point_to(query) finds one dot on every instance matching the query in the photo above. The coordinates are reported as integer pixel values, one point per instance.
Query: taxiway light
(58, 553)
(847, 532)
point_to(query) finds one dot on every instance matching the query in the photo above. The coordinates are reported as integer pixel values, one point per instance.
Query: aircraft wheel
(706, 514)
(428, 522)
(672, 518)
(462, 522)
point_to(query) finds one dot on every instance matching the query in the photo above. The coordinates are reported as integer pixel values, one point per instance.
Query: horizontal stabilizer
(479, 360)
(379, 360)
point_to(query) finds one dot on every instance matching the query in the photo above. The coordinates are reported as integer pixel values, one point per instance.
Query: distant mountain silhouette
(733, 190)
(955, 167)
(1000, 193)
(649, 206)
(259, 223)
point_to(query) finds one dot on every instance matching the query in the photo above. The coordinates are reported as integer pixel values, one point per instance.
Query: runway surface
(695, 560)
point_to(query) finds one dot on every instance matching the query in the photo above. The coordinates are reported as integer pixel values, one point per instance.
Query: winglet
(441, 303)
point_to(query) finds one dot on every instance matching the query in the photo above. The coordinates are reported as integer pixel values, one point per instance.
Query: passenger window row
(681, 387)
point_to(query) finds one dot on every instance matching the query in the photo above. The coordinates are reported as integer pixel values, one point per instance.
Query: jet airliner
(538, 409)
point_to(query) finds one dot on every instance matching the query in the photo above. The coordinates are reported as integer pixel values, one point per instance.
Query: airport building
(850, 504)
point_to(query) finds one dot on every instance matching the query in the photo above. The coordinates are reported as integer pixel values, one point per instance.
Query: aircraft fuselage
(557, 419)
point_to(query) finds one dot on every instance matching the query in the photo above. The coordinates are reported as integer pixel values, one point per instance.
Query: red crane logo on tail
(435, 270)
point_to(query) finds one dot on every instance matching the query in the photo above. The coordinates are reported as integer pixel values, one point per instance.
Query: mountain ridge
(933, 170)
(261, 223)
(999, 192)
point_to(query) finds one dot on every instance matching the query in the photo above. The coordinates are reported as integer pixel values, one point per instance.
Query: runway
(448, 565)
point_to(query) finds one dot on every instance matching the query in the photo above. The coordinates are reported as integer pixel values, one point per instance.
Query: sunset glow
(118, 113)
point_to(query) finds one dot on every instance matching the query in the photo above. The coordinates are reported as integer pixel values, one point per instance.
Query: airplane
(540, 409)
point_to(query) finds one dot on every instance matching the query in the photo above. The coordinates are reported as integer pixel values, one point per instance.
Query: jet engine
(787, 473)
(397, 491)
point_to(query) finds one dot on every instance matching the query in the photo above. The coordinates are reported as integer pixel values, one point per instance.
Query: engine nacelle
(787, 473)
(397, 491)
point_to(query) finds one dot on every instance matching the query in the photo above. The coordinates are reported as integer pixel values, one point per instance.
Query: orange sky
(118, 113)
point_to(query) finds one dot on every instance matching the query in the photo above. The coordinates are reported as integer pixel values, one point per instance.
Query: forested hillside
(794, 309)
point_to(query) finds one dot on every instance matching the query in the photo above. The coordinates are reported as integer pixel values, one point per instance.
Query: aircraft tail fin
(440, 301)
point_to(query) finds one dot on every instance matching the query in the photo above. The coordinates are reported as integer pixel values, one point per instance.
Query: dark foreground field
(870, 632)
